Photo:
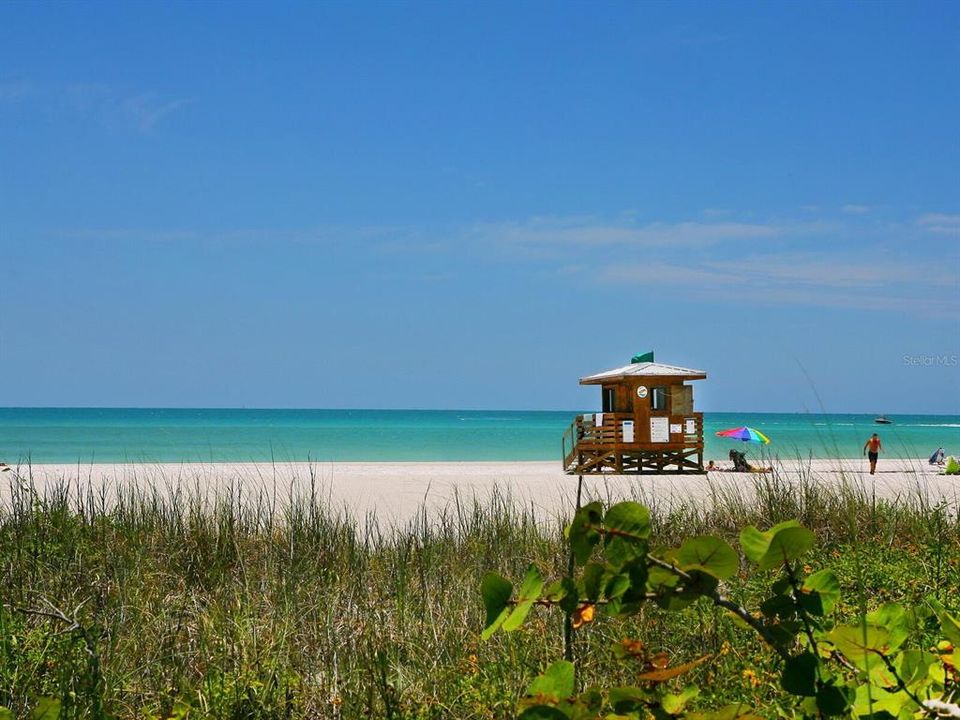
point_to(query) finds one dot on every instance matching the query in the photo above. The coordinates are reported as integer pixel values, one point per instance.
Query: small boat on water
(883, 420)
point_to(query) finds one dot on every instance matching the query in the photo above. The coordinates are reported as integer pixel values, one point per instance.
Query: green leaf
(783, 526)
(832, 700)
(6, 713)
(627, 591)
(754, 543)
(618, 584)
(860, 643)
(786, 545)
(949, 625)
(496, 592)
(811, 603)
(543, 712)
(592, 581)
(659, 579)
(532, 585)
(823, 588)
(764, 549)
(639, 574)
(629, 517)
(914, 665)
(879, 676)
(895, 620)
(181, 710)
(800, 675)
(556, 683)
(555, 591)
(708, 554)
(700, 583)
(630, 525)
(778, 606)
(674, 704)
(781, 586)
(590, 701)
(666, 585)
(676, 599)
(582, 532)
(47, 708)
(784, 633)
(871, 703)
(530, 591)
(627, 698)
(571, 595)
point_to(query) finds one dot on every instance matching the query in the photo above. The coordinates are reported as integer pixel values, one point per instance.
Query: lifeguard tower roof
(644, 369)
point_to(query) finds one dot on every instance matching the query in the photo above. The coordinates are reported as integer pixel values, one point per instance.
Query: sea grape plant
(868, 669)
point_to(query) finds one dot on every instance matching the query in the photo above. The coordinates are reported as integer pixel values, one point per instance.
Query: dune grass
(173, 604)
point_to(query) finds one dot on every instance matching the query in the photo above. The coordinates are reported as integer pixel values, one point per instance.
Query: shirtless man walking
(872, 448)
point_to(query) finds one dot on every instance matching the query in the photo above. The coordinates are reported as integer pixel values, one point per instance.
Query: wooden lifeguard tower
(647, 423)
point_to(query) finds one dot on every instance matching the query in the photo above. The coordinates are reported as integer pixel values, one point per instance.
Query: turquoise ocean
(110, 435)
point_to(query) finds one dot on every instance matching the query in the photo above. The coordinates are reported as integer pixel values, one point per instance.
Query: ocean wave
(956, 425)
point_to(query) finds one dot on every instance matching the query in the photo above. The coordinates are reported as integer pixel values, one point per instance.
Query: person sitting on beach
(937, 457)
(712, 466)
(740, 463)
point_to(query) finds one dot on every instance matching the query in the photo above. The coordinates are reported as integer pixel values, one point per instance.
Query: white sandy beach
(395, 491)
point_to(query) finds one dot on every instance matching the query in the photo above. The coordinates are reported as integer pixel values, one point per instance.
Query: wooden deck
(591, 449)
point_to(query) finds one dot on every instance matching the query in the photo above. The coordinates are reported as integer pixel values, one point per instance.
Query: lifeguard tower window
(681, 398)
(609, 396)
(658, 398)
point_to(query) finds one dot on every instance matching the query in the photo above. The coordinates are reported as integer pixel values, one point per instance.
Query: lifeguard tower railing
(589, 448)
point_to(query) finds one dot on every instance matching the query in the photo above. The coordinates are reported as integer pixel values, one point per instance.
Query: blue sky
(471, 205)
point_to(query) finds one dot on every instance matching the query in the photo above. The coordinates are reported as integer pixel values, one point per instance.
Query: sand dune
(395, 491)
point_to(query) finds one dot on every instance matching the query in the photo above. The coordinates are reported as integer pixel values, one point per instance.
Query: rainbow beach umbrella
(744, 433)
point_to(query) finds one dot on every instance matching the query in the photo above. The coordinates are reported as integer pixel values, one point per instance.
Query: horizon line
(430, 409)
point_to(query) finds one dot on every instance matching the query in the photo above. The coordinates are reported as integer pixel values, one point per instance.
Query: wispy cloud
(373, 236)
(567, 234)
(852, 263)
(141, 111)
(716, 212)
(819, 270)
(802, 279)
(146, 110)
(940, 223)
(588, 232)
(664, 273)
(811, 271)
(855, 209)
(14, 90)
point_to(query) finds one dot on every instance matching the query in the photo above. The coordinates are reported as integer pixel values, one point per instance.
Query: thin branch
(52, 612)
(722, 601)
(804, 617)
(835, 655)
(548, 603)
(901, 685)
